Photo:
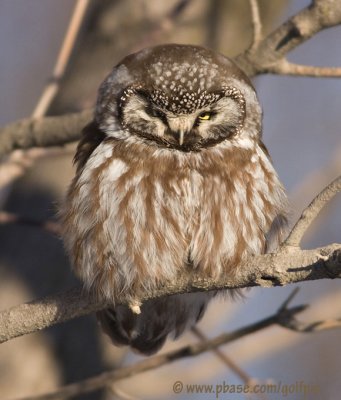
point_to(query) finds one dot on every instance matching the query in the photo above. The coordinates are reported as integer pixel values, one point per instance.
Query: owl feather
(172, 178)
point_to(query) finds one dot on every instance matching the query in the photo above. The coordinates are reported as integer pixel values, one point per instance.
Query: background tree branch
(43, 132)
(284, 317)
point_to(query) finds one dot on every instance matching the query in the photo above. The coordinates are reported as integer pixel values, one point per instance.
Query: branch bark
(256, 24)
(271, 51)
(43, 132)
(311, 212)
(291, 265)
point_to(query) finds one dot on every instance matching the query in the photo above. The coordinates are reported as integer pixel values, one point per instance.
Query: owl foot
(135, 306)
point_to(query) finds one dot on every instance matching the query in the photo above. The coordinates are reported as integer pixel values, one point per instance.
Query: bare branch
(316, 179)
(311, 212)
(321, 14)
(298, 326)
(52, 87)
(44, 132)
(290, 265)
(284, 67)
(256, 24)
(40, 314)
(193, 350)
(223, 357)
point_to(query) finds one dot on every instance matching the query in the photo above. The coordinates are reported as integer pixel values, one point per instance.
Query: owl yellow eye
(205, 116)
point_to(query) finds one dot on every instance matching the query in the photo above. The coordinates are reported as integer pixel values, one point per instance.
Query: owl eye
(153, 112)
(205, 116)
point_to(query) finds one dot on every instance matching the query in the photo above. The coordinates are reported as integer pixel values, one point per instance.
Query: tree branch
(284, 67)
(287, 266)
(223, 357)
(71, 34)
(311, 212)
(282, 316)
(319, 15)
(256, 24)
(43, 132)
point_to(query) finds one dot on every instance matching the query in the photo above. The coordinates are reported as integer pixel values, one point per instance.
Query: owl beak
(179, 127)
(181, 137)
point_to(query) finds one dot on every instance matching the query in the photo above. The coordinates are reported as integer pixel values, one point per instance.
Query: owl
(172, 178)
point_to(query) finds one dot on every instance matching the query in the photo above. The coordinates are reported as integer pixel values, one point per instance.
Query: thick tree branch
(321, 14)
(43, 132)
(282, 316)
(291, 265)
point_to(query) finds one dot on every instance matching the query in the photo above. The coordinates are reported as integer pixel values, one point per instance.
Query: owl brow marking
(237, 95)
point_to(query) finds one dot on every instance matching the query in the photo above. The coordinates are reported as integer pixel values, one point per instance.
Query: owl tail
(147, 332)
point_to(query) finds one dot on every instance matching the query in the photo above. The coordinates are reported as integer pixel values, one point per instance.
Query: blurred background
(302, 124)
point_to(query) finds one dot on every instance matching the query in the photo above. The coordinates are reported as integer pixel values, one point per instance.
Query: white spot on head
(122, 76)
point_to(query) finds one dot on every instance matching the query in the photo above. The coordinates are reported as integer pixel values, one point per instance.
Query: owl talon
(135, 307)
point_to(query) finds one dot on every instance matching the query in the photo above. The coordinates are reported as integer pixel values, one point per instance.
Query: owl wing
(92, 136)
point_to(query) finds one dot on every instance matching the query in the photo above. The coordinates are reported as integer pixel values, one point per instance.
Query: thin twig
(311, 212)
(317, 326)
(316, 179)
(71, 34)
(192, 350)
(223, 357)
(289, 299)
(226, 360)
(284, 67)
(256, 24)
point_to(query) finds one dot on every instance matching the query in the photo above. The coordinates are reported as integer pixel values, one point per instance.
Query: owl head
(180, 97)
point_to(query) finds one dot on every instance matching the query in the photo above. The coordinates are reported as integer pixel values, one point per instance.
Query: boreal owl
(172, 178)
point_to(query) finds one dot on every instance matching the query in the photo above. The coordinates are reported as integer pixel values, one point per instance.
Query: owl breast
(139, 215)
